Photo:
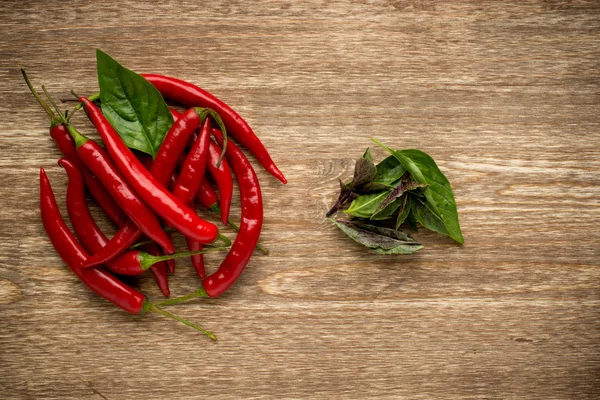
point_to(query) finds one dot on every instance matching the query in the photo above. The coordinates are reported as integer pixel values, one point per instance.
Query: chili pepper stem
(140, 244)
(181, 299)
(224, 239)
(148, 260)
(51, 100)
(153, 308)
(79, 105)
(37, 96)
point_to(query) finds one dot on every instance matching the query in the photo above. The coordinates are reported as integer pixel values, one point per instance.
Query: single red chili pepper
(188, 182)
(66, 145)
(191, 96)
(223, 178)
(207, 196)
(97, 279)
(95, 158)
(147, 186)
(252, 217)
(194, 166)
(125, 237)
(90, 235)
(173, 145)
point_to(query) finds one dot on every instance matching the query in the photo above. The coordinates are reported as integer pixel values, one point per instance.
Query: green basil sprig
(133, 106)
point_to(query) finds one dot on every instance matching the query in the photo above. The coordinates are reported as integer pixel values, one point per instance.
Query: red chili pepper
(252, 218)
(194, 166)
(173, 146)
(90, 235)
(97, 279)
(223, 178)
(95, 158)
(126, 236)
(147, 186)
(188, 182)
(191, 96)
(207, 196)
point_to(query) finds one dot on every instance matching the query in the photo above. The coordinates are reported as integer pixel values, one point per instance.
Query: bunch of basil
(407, 188)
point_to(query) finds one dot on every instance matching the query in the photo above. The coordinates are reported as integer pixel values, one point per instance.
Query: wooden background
(504, 95)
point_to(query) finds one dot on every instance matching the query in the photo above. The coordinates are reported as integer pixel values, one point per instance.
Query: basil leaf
(367, 154)
(404, 211)
(403, 186)
(364, 171)
(439, 194)
(411, 221)
(387, 211)
(380, 240)
(345, 197)
(133, 106)
(429, 219)
(381, 230)
(365, 205)
(389, 171)
(375, 187)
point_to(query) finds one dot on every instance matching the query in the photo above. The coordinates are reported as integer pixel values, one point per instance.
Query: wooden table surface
(505, 96)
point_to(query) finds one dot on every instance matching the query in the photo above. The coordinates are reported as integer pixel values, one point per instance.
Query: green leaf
(388, 211)
(439, 194)
(375, 187)
(378, 239)
(404, 185)
(364, 171)
(365, 205)
(133, 106)
(411, 221)
(367, 154)
(389, 171)
(429, 219)
(404, 211)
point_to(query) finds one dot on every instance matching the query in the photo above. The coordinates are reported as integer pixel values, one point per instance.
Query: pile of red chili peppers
(149, 199)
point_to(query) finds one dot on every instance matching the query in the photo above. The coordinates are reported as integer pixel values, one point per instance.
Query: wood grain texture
(504, 95)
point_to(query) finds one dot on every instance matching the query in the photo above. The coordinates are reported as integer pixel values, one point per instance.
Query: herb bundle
(405, 188)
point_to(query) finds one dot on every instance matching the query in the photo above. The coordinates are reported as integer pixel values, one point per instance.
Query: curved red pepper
(98, 280)
(147, 186)
(173, 145)
(192, 96)
(252, 217)
(194, 166)
(186, 186)
(207, 196)
(66, 145)
(90, 235)
(223, 178)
